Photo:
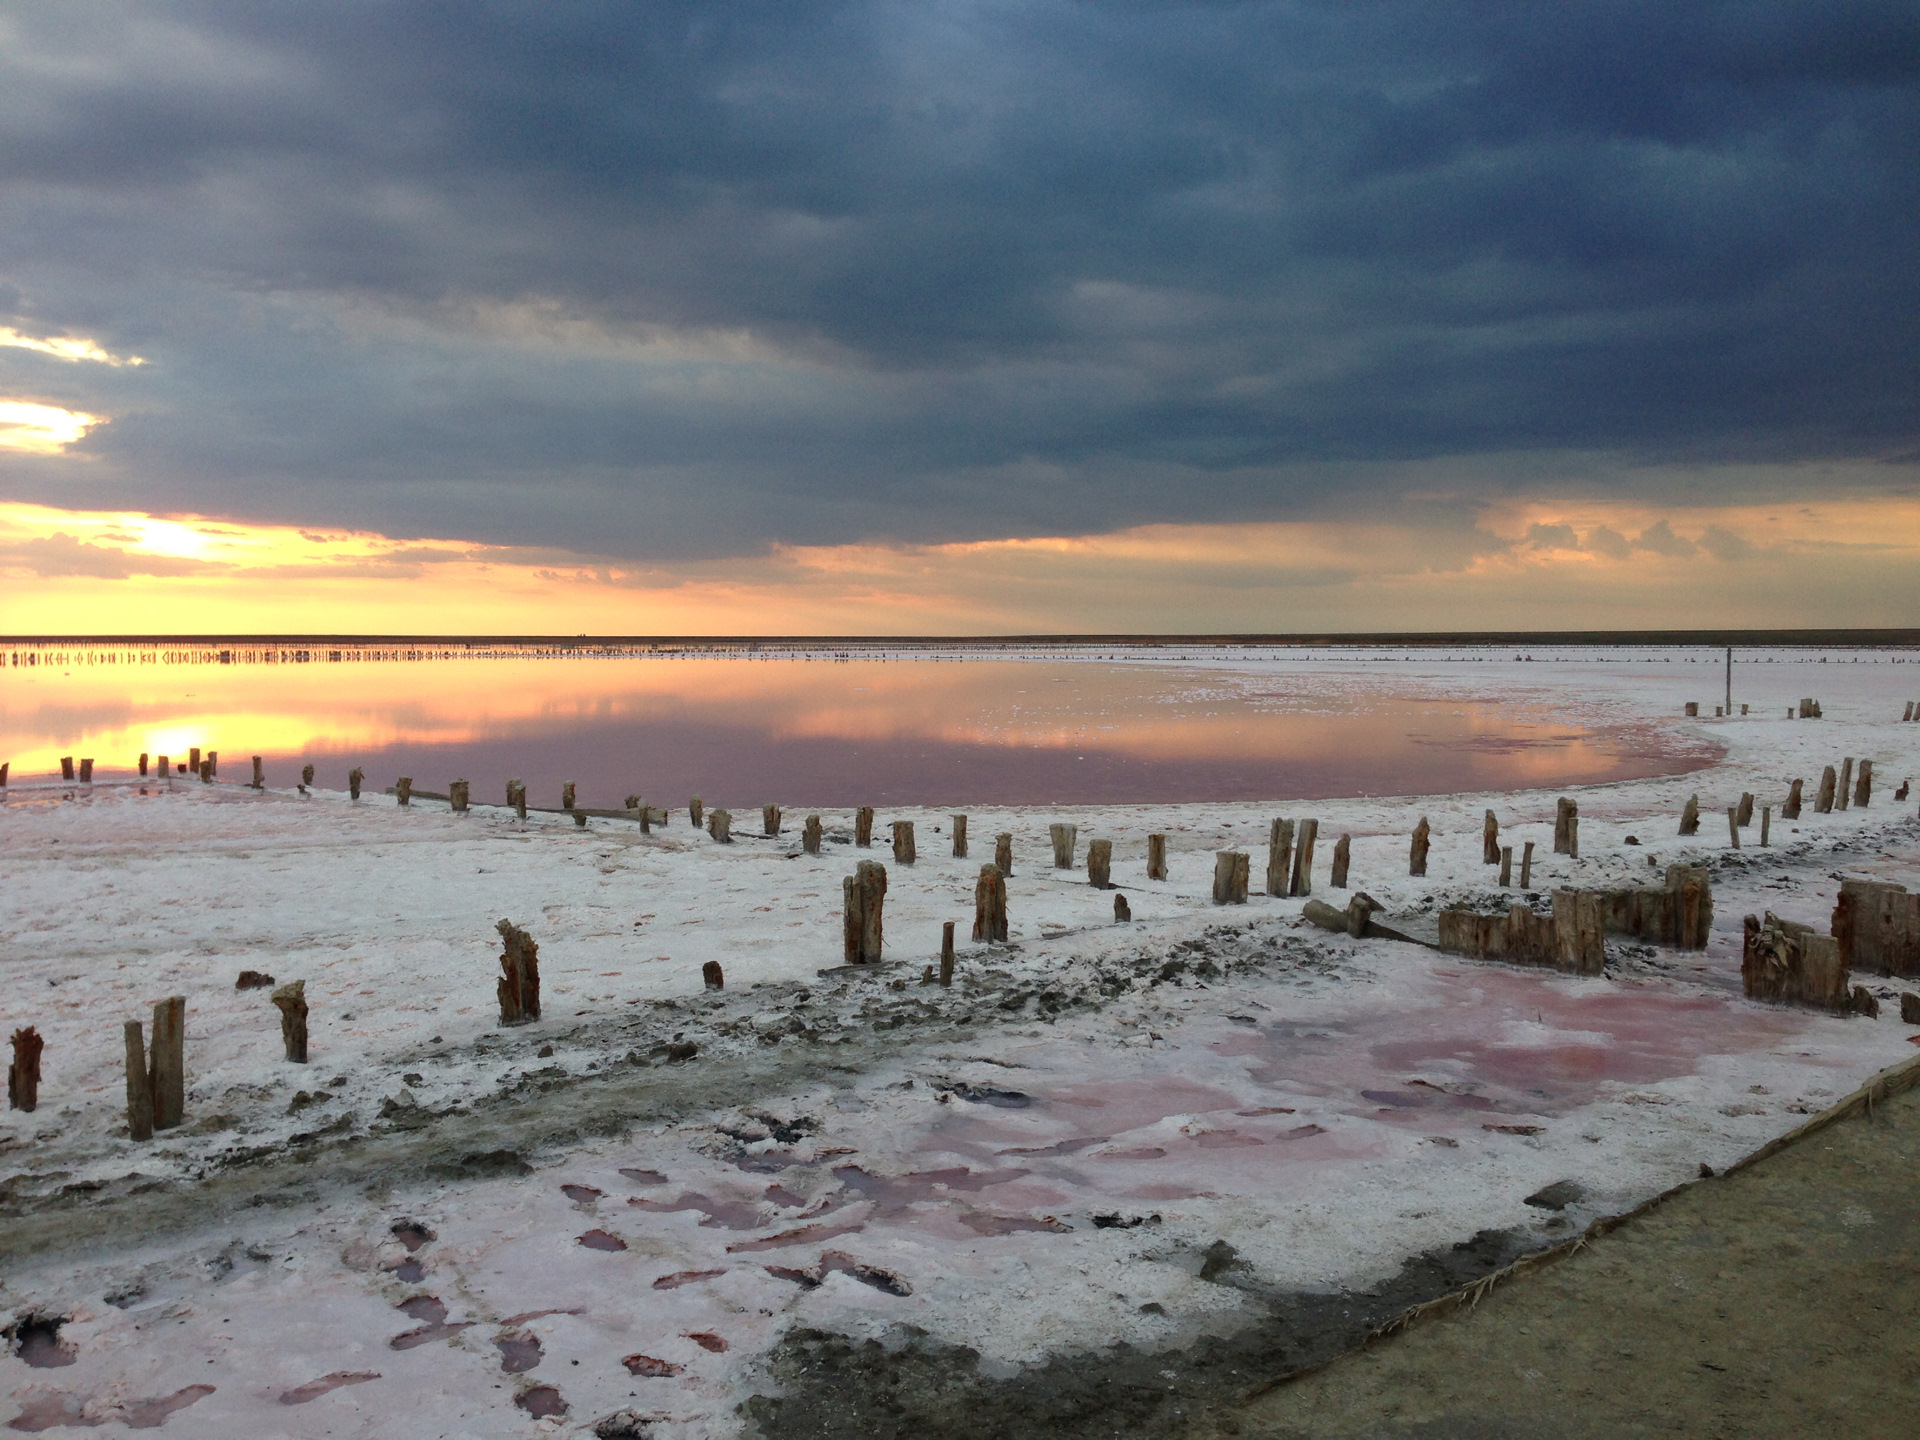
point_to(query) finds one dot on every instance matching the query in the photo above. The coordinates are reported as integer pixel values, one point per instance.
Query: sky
(957, 318)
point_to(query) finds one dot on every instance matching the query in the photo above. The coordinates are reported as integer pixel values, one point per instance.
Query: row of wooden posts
(1839, 789)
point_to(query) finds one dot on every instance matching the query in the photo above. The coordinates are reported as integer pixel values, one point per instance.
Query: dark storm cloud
(1002, 268)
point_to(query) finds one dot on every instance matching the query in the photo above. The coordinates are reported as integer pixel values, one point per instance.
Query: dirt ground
(1780, 1300)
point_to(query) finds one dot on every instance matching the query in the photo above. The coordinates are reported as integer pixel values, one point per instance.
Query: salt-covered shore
(1102, 1133)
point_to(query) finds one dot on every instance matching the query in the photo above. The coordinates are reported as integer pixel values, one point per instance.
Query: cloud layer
(688, 280)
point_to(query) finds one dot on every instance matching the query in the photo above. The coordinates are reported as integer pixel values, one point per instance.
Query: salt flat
(1152, 1133)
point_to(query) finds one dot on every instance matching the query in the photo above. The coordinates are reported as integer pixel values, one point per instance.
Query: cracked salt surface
(1123, 1133)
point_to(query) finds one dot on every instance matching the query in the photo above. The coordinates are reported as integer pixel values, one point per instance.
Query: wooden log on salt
(1733, 824)
(1003, 853)
(1342, 852)
(1417, 855)
(86, 771)
(865, 894)
(712, 976)
(1279, 856)
(990, 906)
(1526, 866)
(167, 1065)
(959, 836)
(770, 819)
(1843, 791)
(566, 796)
(719, 825)
(1231, 870)
(1791, 810)
(1063, 837)
(1156, 857)
(518, 986)
(1490, 840)
(903, 851)
(863, 825)
(1122, 912)
(1301, 882)
(458, 795)
(811, 834)
(291, 1001)
(1100, 864)
(1766, 824)
(403, 789)
(23, 1075)
(1506, 866)
(143, 766)
(139, 1085)
(696, 813)
(1863, 787)
(66, 767)
(946, 953)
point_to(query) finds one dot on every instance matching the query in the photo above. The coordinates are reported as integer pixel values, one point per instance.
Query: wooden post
(1122, 912)
(162, 766)
(403, 789)
(946, 953)
(193, 761)
(1279, 856)
(517, 797)
(86, 770)
(1156, 857)
(637, 807)
(1842, 792)
(1733, 824)
(1230, 871)
(1302, 882)
(719, 825)
(1573, 832)
(291, 1001)
(1693, 709)
(903, 851)
(1526, 867)
(1579, 941)
(695, 812)
(139, 1085)
(1746, 808)
(566, 796)
(518, 987)
(712, 976)
(1490, 840)
(306, 775)
(167, 1066)
(1690, 816)
(770, 819)
(990, 906)
(1823, 802)
(458, 793)
(1100, 864)
(1791, 810)
(810, 835)
(206, 772)
(5, 765)
(143, 766)
(66, 767)
(23, 1075)
(1063, 842)
(1729, 679)
(259, 781)
(1342, 851)
(1563, 816)
(863, 825)
(1003, 853)
(354, 778)
(1905, 715)
(212, 763)
(1766, 823)
(1417, 856)
(1506, 866)
(1862, 788)
(865, 895)
(959, 836)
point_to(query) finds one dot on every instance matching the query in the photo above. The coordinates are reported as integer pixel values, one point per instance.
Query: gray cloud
(1007, 270)
(1660, 539)
(61, 554)
(1605, 540)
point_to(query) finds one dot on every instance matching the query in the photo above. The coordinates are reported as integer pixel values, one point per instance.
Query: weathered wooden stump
(1823, 800)
(1122, 912)
(1100, 864)
(1526, 866)
(259, 781)
(1733, 824)
(518, 987)
(1690, 816)
(139, 1085)
(1156, 857)
(1573, 833)
(811, 835)
(206, 772)
(1490, 839)
(863, 825)
(167, 1068)
(1231, 870)
(162, 766)
(1563, 814)
(959, 836)
(1279, 856)
(1506, 866)
(403, 789)
(641, 811)
(1791, 810)
(1863, 787)
(1579, 941)
(865, 896)
(23, 1075)
(769, 819)
(1905, 715)
(696, 812)
(1693, 709)
(566, 796)
(1342, 852)
(1003, 853)
(1302, 881)
(719, 825)
(193, 760)
(1843, 791)
(1766, 824)
(903, 851)
(1744, 809)
(1417, 854)
(517, 797)
(946, 953)
(306, 777)
(1901, 793)
(212, 763)
(355, 778)
(990, 906)
(86, 770)
(291, 1001)
(458, 795)
(1063, 837)
(1785, 961)
(66, 767)
(143, 766)
(713, 976)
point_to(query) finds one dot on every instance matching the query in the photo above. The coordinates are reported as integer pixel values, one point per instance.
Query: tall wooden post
(810, 835)
(23, 1075)
(1744, 815)
(1563, 819)
(1156, 857)
(946, 953)
(193, 760)
(990, 906)
(1003, 853)
(1302, 881)
(1231, 869)
(1279, 856)
(1766, 823)
(458, 794)
(143, 764)
(517, 797)
(719, 825)
(1417, 855)
(863, 825)
(566, 795)
(163, 766)
(86, 770)
(865, 894)
(1342, 852)
(1823, 801)
(259, 781)
(903, 851)
(959, 836)
(206, 772)
(696, 812)
(212, 763)
(1863, 787)
(1063, 837)
(518, 986)
(139, 1085)
(167, 1069)
(1506, 866)
(291, 1001)
(1690, 816)
(403, 789)
(770, 819)
(355, 777)
(306, 776)
(1490, 840)
(1729, 679)
(1843, 793)
(66, 767)
(1733, 824)
(1100, 864)
(1526, 867)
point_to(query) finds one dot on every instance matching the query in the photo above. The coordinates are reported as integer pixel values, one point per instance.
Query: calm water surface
(742, 731)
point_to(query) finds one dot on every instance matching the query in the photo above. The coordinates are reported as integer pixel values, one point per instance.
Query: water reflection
(741, 730)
